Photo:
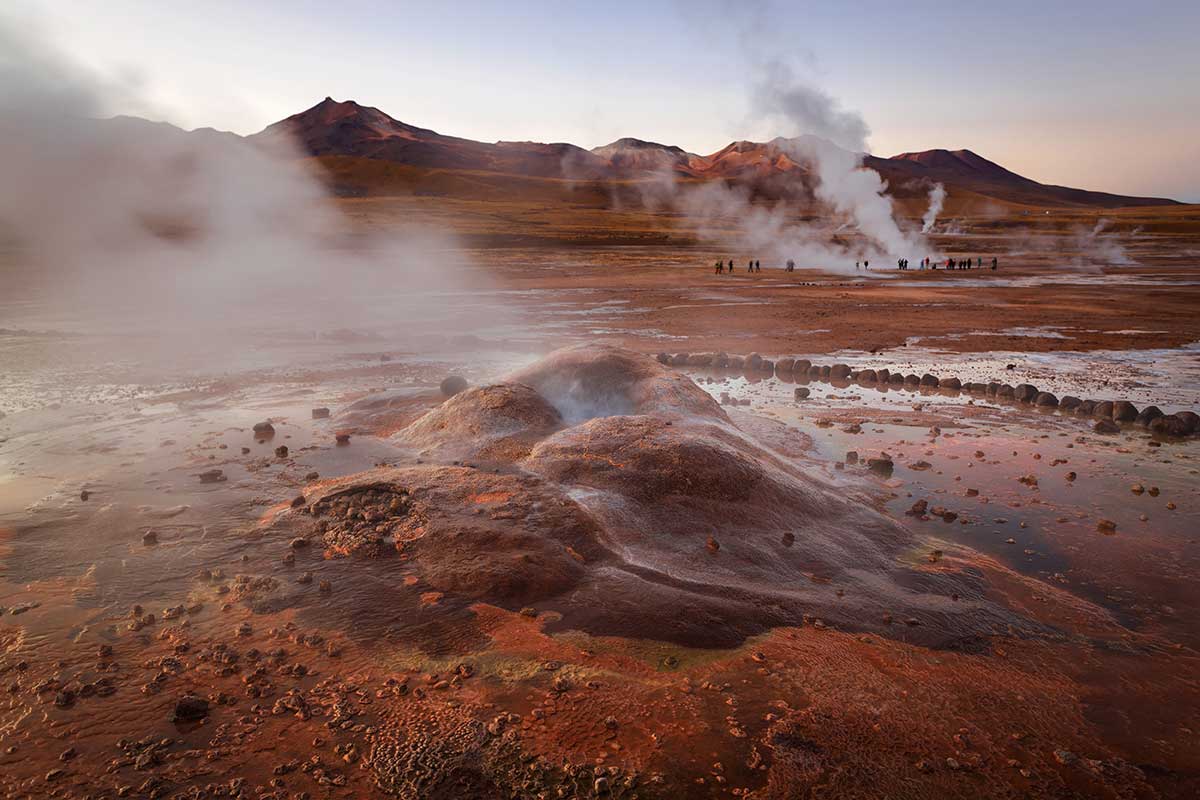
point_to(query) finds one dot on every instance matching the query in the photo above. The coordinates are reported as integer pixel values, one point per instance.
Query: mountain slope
(349, 130)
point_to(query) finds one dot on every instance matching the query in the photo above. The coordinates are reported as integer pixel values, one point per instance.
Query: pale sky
(1100, 95)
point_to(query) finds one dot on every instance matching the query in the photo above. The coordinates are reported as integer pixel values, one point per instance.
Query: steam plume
(937, 196)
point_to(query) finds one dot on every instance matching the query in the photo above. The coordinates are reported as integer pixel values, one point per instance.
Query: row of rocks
(1183, 423)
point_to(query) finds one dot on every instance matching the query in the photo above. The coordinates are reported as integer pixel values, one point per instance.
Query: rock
(1025, 393)
(1045, 400)
(320, 413)
(299, 543)
(1086, 408)
(1107, 527)
(212, 476)
(767, 365)
(281, 451)
(950, 383)
(753, 362)
(785, 365)
(929, 380)
(264, 429)
(84, 495)
(1124, 411)
(342, 438)
(867, 376)
(664, 359)
(801, 365)
(713, 545)
(852, 457)
(1106, 426)
(1006, 392)
(190, 708)
(919, 508)
(1069, 403)
(883, 375)
(839, 372)
(992, 389)
(1148, 415)
(881, 466)
(452, 385)
(149, 538)
(1103, 409)
(895, 379)
(679, 359)
(700, 360)
(1191, 419)
(1170, 425)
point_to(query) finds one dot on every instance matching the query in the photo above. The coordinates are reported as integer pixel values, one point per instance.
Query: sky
(1100, 95)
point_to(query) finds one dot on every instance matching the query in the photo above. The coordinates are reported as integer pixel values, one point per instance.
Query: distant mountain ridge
(349, 130)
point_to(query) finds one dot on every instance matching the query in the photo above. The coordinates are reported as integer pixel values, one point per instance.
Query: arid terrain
(596, 521)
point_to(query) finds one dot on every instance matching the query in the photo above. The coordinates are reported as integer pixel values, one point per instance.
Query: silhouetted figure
(757, 265)
(720, 267)
(866, 264)
(993, 262)
(856, 266)
(981, 261)
(791, 265)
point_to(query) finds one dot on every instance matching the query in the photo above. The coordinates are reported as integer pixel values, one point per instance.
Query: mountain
(331, 128)
(345, 134)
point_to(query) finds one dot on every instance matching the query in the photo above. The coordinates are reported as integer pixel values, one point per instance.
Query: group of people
(751, 266)
(951, 263)
(901, 263)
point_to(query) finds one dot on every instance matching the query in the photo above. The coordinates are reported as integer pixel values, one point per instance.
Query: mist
(121, 224)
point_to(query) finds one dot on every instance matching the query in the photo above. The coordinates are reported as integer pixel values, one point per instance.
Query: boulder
(766, 365)
(867, 376)
(912, 380)
(1103, 409)
(452, 385)
(753, 362)
(679, 359)
(1069, 403)
(1025, 393)
(839, 372)
(1148, 415)
(801, 365)
(1085, 408)
(929, 380)
(992, 389)
(700, 360)
(802, 393)
(785, 365)
(826, 372)
(721, 360)
(1124, 411)
(882, 375)
(264, 429)
(896, 379)
(320, 413)
(1170, 425)
(1045, 400)
(664, 358)
(735, 362)
(953, 384)
(1191, 419)
(1105, 425)
(1005, 392)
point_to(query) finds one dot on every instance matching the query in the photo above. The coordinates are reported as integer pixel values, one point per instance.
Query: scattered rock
(264, 429)
(190, 708)
(320, 413)
(1106, 426)
(212, 476)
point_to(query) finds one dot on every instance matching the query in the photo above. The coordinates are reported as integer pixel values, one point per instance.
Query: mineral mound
(599, 485)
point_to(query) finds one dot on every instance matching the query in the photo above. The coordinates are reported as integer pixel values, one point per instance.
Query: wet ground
(129, 582)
